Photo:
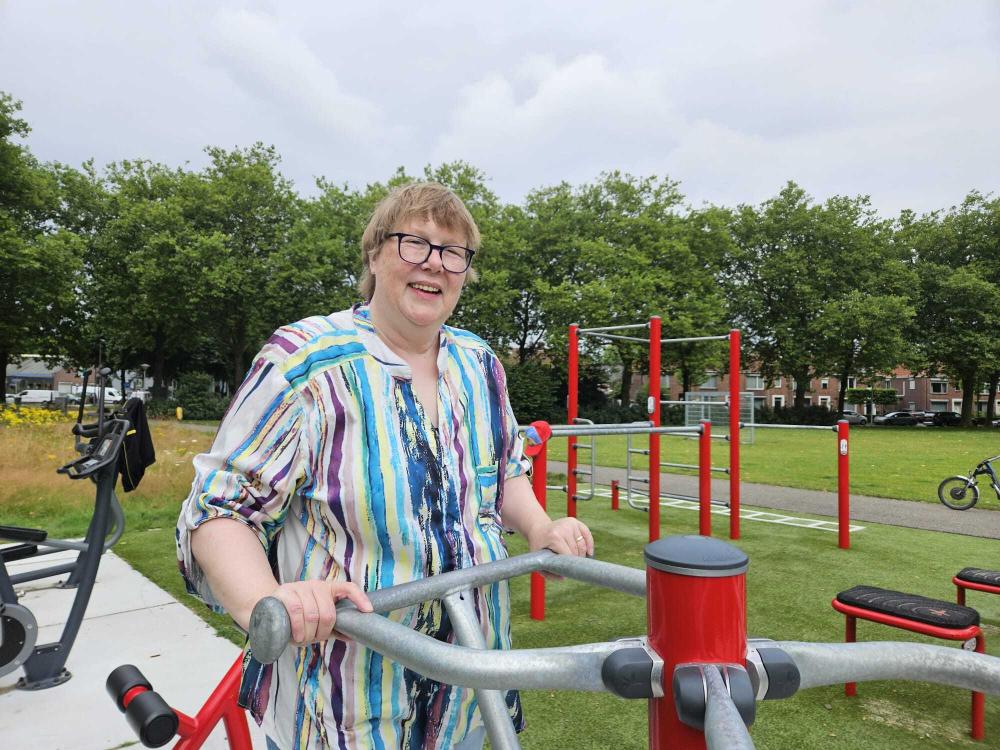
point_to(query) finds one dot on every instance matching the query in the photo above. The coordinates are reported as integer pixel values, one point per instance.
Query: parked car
(853, 417)
(898, 418)
(946, 418)
(33, 396)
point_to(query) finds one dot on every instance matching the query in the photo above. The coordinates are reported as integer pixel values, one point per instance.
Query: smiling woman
(368, 448)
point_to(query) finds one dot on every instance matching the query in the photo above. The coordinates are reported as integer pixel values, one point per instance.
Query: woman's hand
(312, 608)
(564, 536)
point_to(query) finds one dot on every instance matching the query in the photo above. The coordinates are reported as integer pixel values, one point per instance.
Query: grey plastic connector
(633, 672)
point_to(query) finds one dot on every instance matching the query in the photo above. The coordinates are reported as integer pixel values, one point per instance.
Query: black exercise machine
(45, 665)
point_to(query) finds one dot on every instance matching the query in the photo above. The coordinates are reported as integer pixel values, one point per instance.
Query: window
(913, 406)
(956, 404)
(755, 382)
(777, 401)
(888, 383)
(939, 406)
(807, 400)
(711, 382)
(776, 383)
(852, 382)
(824, 383)
(758, 403)
(824, 401)
(913, 384)
(939, 386)
(664, 381)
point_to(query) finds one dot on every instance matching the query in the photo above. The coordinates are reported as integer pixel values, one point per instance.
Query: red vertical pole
(696, 612)
(653, 407)
(571, 415)
(734, 434)
(843, 485)
(614, 494)
(850, 636)
(538, 484)
(979, 700)
(705, 478)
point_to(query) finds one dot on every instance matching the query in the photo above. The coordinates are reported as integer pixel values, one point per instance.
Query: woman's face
(422, 294)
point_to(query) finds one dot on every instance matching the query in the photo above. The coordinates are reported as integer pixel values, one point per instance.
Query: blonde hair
(428, 201)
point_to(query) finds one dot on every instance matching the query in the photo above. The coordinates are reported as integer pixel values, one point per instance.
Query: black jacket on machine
(137, 449)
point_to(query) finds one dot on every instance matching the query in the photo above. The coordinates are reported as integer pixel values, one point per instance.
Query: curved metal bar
(599, 573)
(492, 704)
(525, 669)
(724, 727)
(834, 663)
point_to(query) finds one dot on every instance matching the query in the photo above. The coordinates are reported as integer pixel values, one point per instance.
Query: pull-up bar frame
(656, 342)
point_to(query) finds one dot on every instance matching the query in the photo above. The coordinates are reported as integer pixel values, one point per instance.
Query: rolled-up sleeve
(251, 470)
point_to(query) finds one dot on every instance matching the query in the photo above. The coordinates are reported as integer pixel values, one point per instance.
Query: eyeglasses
(416, 250)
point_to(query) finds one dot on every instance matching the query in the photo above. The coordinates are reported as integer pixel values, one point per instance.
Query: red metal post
(572, 407)
(705, 478)
(979, 700)
(843, 485)
(653, 407)
(734, 434)
(538, 484)
(696, 612)
(614, 494)
(850, 636)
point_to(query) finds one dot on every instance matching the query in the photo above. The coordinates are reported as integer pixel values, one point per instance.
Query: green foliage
(534, 389)
(878, 396)
(195, 394)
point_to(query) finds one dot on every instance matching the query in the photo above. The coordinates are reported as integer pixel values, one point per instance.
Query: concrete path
(914, 515)
(130, 620)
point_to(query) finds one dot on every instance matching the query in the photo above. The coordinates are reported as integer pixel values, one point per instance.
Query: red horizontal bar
(948, 634)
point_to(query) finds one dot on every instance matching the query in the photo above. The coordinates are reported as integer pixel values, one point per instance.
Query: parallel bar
(632, 326)
(675, 402)
(613, 429)
(734, 430)
(720, 469)
(787, 426)
(614, 336)
(695, 338)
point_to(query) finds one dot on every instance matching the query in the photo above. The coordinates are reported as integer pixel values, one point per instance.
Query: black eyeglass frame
(431, 247)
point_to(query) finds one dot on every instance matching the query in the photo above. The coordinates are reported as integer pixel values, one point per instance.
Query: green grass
(897, 462)
(794, 573)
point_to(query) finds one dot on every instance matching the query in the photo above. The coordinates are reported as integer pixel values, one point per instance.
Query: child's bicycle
(962, 492)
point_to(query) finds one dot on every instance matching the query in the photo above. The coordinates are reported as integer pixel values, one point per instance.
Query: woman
(364, 449)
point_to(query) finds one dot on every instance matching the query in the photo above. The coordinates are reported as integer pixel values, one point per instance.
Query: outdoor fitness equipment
(44, 665)
(696, 667)
(653, 405)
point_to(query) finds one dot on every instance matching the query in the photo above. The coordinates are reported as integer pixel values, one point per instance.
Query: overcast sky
(898, 100)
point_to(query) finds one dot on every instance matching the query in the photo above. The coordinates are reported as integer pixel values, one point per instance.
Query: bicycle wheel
(958, 493)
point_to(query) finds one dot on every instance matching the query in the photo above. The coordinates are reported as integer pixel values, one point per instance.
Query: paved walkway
(914, 515)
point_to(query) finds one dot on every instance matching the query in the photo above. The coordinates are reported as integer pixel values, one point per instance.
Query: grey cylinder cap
(699, 556)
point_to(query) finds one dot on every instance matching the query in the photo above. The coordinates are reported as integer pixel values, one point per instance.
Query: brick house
(916, 392)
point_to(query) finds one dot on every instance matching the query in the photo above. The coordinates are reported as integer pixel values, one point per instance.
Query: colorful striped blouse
(327, 455)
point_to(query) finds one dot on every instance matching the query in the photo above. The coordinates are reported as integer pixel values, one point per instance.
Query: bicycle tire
(958, 493)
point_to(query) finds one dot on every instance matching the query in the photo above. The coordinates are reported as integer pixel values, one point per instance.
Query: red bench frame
(852, 614)
(961, 585)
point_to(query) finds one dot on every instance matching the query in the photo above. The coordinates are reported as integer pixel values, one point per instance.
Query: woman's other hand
(564, 536)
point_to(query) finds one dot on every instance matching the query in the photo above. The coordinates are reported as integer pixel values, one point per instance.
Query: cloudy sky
(898, 100)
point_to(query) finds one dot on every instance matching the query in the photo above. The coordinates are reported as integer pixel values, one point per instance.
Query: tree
(818, 288)
(38, 261)
(250, 208)
(956, 255)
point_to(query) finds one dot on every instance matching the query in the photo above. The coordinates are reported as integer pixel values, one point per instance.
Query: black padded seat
(910, 607)
(978, 575)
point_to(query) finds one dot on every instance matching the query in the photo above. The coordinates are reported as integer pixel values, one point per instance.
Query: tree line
(190, 270)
